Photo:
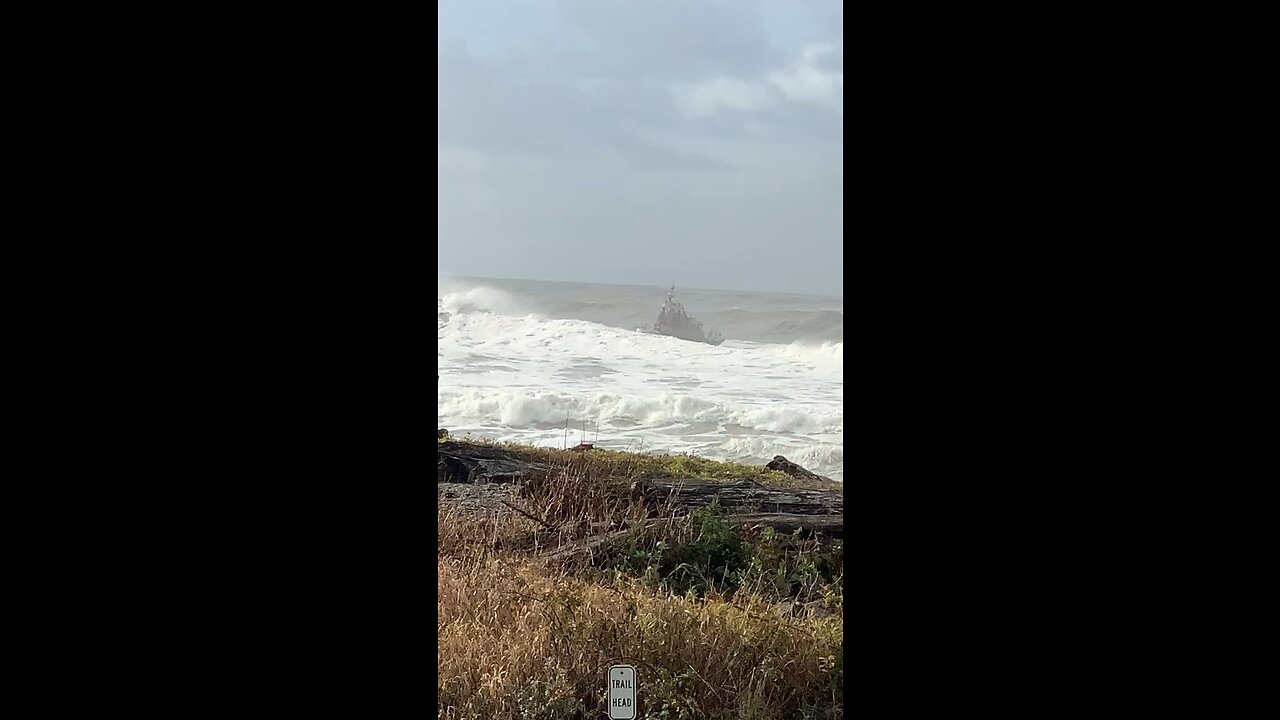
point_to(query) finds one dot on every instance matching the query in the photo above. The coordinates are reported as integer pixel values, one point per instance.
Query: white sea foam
(510, 373)
(479, 299)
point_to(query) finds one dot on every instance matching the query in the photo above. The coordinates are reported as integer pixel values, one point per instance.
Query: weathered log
(689, 493)
(464, 462)
(466, 470)
(742, 496)
(584, 547)
(829, 525)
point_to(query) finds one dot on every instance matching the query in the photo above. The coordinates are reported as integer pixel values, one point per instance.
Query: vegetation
(719, 623)
(598, 463)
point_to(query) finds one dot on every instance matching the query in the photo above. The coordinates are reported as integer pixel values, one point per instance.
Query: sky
(643, 142)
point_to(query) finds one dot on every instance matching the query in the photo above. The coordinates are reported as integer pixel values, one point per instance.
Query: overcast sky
(643, 142)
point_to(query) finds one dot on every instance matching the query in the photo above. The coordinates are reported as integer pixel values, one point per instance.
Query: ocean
(519, 358)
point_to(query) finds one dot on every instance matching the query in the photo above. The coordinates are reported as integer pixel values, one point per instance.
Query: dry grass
(598, 463)
(690, 603)
(517, 642)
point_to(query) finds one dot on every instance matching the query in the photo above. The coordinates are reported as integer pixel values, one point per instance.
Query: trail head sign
(622, 692)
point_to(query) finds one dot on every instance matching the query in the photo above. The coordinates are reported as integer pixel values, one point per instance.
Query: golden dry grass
(522, 638)
(518, 642)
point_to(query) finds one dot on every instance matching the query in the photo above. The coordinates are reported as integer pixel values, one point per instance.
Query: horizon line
(635, 285)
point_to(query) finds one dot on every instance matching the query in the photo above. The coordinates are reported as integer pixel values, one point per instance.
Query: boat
(674, 322)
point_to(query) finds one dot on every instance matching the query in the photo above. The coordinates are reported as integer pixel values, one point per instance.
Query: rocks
(464, 462)
(442, 433)
(486, 497)
(782, 464)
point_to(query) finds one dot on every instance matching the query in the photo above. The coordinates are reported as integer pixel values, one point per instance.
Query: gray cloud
(642, 142)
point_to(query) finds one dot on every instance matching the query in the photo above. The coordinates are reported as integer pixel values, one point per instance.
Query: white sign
(622, 692)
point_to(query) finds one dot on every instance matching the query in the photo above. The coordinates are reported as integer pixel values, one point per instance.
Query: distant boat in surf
(674, 322)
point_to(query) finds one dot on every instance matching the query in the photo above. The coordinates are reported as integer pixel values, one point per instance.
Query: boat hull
(678, 336)
(674, 322)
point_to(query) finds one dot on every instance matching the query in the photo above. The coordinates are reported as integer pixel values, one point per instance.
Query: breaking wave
(546, 408)
(513, 369)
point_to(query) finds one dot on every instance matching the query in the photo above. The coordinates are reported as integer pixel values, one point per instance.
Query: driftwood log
(832, 525)
(829, 525)
(742, 495)
(485, 478)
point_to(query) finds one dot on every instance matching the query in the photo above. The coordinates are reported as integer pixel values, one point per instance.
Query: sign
(622, 692)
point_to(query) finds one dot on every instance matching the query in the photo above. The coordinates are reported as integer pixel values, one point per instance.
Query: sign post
(622, 692)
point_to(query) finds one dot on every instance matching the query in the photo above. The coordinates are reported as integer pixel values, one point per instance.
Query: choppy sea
(518, 359)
